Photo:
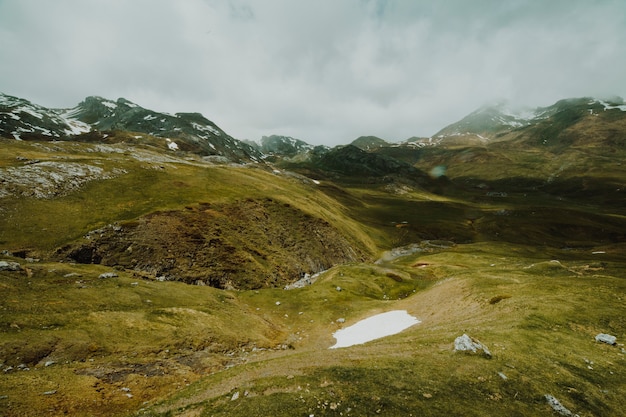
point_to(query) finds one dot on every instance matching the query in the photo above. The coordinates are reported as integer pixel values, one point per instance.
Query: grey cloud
(323, 71)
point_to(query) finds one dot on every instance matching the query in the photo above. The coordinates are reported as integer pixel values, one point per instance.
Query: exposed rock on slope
(248, 244)
(50, 179)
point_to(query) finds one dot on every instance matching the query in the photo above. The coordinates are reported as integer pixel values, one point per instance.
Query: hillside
(101, 120)
(138, 279)
(369, 142)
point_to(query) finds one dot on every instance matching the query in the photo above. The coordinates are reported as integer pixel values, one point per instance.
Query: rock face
(244, 245)
(468, 344)
(10, 266)
(49, 179)
(606, 338)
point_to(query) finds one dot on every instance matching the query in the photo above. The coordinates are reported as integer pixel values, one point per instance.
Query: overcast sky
(324, 71)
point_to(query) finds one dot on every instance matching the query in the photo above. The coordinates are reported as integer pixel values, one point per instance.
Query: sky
(323, 71)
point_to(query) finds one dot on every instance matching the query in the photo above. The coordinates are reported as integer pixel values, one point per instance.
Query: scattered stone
(503, 376)
(49, 363)
(468, 344)
(606, 338)
(10, 266)
(558, 407)
(427, 395)
(235, 396)
(108, 275)
(341, 320)
(50, 392)
(338, 289)
(277, 303)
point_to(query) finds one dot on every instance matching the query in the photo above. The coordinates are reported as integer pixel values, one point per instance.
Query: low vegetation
(534, 272)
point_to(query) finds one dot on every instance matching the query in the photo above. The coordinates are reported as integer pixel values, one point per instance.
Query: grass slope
(534, 274)
(537, 315)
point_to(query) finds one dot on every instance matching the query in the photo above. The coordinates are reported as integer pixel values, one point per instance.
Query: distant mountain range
(97, 118)
(100, 119)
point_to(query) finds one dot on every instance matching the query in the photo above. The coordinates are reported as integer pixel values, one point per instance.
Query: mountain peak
(284, 145)
(369, 142)
(190, 132)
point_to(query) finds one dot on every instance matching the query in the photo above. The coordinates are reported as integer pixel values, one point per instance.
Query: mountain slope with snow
(23, 120)
(192, 132)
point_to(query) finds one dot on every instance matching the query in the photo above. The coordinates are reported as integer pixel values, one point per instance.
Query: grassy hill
(521, 249)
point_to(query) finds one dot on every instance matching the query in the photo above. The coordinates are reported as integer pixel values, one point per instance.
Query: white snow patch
(205, 128)
(150, 117)
(171, 145)
(607, 106)
(110, 104)
(316, 182)
(76, 127)
(375, 327)
(30, 111)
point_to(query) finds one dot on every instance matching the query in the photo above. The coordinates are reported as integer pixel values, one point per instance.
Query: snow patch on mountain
(171, 144)
(608, 106)
(19, 117)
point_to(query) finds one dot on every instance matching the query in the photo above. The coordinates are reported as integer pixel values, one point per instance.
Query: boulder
(468, 344)
(606, 338)
(10, 266)
(108, 275)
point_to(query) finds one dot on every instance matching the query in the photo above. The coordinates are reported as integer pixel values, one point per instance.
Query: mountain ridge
(22, 119)
(192, 132)
(518, 242)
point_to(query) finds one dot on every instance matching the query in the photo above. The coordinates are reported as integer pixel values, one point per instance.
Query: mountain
(23, 120)
(352, 162)
(369, 142)
(98, 119)
(501, 122)
(570, 123)
(284, 145)
(140, 279)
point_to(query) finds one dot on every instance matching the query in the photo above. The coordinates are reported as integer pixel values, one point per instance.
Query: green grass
(522, 278)
(43, 225)
(541, 336)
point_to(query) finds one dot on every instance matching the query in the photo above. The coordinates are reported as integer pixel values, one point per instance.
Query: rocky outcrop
(468, 344)
(49, 179)
(245, 245)
(10, 266)
(558, 407)
(606, 338)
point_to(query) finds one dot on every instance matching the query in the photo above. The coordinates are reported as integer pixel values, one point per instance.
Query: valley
(142, 279)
